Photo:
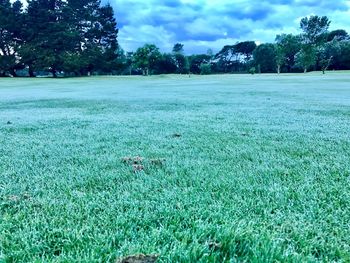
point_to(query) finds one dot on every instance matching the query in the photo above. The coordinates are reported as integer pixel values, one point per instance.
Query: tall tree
(265, 58)
(226, 58)
(306, 57)
(196, 62)
(288, 46)
(246, 49)
(181, 61)
(146, 58)
(315, 29)
(11, 19)
(178, 48)
(48, 35)
(339, 34)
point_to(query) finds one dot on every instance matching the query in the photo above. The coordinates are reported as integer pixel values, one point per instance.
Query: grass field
(256, 168)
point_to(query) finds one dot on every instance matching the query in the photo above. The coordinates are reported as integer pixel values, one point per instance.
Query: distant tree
(11, 20)
(246, 48)
(178, 48)
(343, 61)
(339, 34)
(280, 57)
(265, 58)
(210, 53)
(235, 57)
(226, 58)
(75, 36)
(48, 35)
(181, 61)
(288, 46)
(205, 69)
(146, 58)
(195, 62)
(97, 35)
(315, 29)
(166, 64)
(306, 57)
(107, 39)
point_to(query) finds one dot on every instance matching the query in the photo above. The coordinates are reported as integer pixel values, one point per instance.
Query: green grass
(260, 173)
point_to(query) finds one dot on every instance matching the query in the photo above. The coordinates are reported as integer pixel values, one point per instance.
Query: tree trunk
(53, 71)
(13, 73)
(305, 70)
(31, 72)
(278, 69)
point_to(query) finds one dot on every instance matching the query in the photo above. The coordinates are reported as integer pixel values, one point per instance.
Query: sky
(210, 24)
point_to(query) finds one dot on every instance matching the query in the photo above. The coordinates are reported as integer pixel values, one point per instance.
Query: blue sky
(203, 24)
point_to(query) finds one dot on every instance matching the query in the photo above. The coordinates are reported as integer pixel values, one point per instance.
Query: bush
(205, 69)
(252, 70)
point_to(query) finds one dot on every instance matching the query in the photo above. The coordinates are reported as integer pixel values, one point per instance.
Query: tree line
(76, 37)
(79, 37)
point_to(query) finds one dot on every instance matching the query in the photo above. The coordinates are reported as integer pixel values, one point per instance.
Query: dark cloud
(203, 24)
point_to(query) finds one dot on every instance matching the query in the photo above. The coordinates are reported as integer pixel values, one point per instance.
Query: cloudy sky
(203, 24)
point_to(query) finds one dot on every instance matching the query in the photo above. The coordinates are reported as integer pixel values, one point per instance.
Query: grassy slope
(261, 171)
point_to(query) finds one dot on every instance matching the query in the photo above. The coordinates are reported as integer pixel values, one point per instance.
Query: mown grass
(256, 168)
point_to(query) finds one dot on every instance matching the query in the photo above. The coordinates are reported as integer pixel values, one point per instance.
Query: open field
(256, 168)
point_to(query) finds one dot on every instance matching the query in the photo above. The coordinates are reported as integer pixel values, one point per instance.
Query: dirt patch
(139, 163)
(140, 258)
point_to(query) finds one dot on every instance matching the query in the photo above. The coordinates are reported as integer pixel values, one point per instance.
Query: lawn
(229, 168)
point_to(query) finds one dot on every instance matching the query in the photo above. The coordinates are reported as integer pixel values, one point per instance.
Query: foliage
(265, 58)
(306, 57)
(48, 33)
(195, 62)
(205, 69)
(315, 29)
(288, 46)
(146, 58)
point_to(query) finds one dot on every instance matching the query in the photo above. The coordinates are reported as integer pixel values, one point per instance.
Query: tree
(166, 64)
(265, 58)
(146, 58)
(344, 57)
(339, 34)
(74, 36)
(48, 35)
(205, 69)
(97, 35)
(315, 29)
(329, 55)
(288, 46)
(280, 57)
(226, 58)
(306, 57)
(11, 18)
(246, 49)
(181, 61)
(195, 62)
(178, 48)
